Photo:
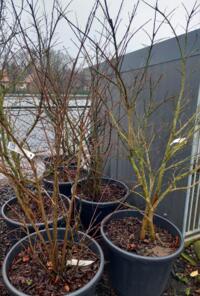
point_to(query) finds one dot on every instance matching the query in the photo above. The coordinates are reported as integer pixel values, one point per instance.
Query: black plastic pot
(92, 213)
(87, 290)
(18, 229)
(132, 274)
(64, 187)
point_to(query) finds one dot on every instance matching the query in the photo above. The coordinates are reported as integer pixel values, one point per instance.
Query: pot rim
(59, 183)
(50, 182)
(100, 203)
(75, 293)
(29, 225)
(136, 256)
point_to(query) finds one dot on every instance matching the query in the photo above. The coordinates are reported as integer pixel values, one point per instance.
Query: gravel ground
(176, 287)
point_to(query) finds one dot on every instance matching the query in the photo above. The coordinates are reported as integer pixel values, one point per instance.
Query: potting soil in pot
(28, 275)
(125, 233)
(16, 213)
(66, 174)
(110, 191)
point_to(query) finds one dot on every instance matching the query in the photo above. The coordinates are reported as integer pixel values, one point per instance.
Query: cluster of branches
(137, 97)
(55, 82)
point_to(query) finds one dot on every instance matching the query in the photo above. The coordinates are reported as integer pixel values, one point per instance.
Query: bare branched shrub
(52, 111)
(136, 96)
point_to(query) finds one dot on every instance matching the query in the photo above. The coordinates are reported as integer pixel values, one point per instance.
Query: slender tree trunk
(147, 224)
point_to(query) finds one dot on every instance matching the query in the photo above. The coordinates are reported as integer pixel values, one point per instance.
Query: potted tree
(143, 245)
(53, 261)
(98, 195)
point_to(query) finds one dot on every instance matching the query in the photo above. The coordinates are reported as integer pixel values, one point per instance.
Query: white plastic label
(178, 141)
(13, 147)
(75, 262)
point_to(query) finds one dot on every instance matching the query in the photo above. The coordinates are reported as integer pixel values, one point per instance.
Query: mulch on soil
(180, 284)
(65, 174)
(17, 214)
(110, 191)
(27, 275)
(125, 233)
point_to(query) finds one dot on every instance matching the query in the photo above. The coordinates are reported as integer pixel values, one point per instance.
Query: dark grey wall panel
(162, 52)
(165, 61)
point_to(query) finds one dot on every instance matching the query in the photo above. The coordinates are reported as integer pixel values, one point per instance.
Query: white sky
(79, 9)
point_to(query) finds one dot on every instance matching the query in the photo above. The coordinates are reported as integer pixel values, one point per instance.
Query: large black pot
(18, 230)
(64, 187)
(132, 274)
(87, 290)
(91, 212)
